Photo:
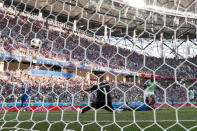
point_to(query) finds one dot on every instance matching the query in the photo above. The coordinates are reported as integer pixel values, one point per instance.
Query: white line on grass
(144, 121)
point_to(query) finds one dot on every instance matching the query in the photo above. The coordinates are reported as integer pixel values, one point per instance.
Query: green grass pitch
(58, 120)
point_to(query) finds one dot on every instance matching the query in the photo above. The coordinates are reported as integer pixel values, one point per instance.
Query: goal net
(109, 65)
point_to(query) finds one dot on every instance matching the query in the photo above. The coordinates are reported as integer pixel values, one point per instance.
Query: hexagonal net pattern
(109, 65)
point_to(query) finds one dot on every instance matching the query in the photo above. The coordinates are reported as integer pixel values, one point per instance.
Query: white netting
(52, 51)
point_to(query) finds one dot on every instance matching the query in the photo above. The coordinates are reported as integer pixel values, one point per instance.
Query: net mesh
(52, 51)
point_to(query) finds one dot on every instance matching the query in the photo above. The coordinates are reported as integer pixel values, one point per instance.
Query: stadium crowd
(50, 89)
(61, 43)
